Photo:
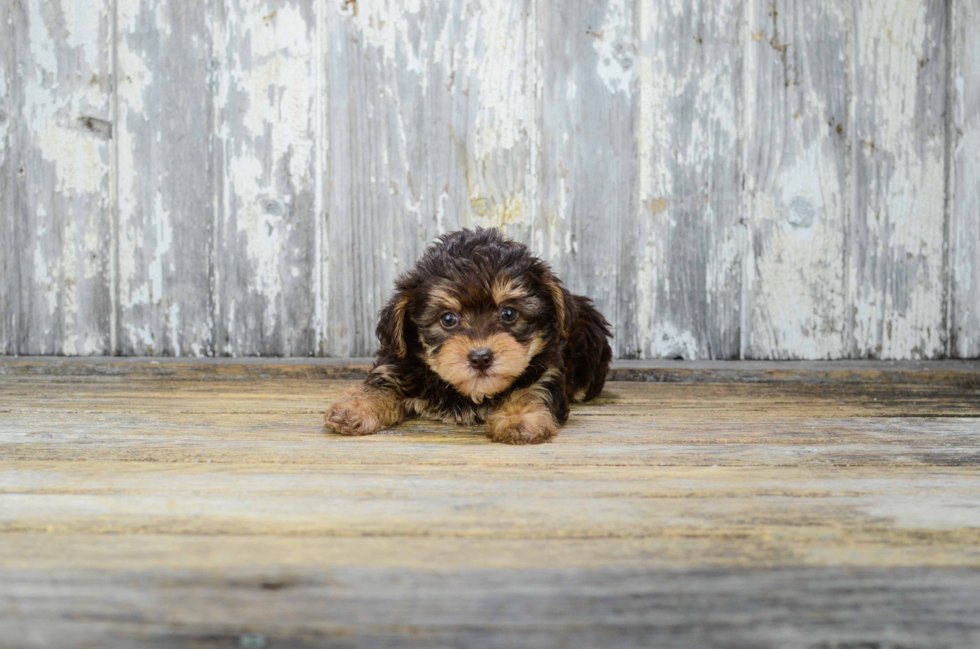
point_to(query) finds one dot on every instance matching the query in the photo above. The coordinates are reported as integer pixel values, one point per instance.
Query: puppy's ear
(560, 298)
(391, 322)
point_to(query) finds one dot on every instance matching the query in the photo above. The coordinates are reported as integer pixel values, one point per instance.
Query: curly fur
(451, 305)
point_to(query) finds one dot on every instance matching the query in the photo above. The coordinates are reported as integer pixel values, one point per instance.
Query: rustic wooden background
(728, 179)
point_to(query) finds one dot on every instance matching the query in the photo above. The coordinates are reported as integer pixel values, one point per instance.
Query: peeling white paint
(46, 282)
(135, 78)
(385, 25)
(68, 296)
(140, 337)
(173, 326)
(164, 238)
(667, 341)
(135, 289)
(504, 110)
(478, 71)
(42, 46)
(277, 85)
(81, 22)
(654, 130)
(6, 120)
(897, 289)
(267, 130)
(796, 193)
(77, 156)
(688, 137)
(65, 200)
(260, 218)
(613, 43)
(964, 188)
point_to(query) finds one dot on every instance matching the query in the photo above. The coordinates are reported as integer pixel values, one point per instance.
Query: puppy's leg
(531, 415)
(370, 407)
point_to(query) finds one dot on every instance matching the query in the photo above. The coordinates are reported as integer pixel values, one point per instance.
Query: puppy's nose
(481, 359)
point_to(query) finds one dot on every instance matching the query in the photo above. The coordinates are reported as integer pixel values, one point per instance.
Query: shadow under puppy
(480, 330)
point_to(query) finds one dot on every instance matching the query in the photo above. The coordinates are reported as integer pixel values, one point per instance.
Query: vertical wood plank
(588, 156)
(688, 222)
(265, 271)
(610, 135)
(429, 114)
(797, 161)
(375, 173)
(481, 110)
(165, 193)
(63, 148)
(896, 237)
(964, 178)
(9, 256)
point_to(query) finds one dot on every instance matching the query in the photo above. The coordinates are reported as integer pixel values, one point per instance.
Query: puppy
(480, 331)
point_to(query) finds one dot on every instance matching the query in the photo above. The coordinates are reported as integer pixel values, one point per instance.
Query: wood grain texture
(896, 237)
(374, 173)
(964, 181)
(689, 265)
(165, 194)
(176, 512)
(63, 204)
(587, 166)
(797, 164)
(336, 607)
(429, 112)
(779, 180)
(265, 267)
(950, 372)
(484, 84)
(788, 425)
(9, 257)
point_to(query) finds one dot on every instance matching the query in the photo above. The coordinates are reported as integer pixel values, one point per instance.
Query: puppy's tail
(587, 354)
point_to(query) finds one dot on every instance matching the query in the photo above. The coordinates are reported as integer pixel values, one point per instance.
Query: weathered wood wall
(727, 178)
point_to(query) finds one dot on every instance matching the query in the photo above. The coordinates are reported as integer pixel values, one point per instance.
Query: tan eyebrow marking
(440, 295)
(505, 290)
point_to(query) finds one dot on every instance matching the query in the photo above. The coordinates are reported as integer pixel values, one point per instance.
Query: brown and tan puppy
(480, 331)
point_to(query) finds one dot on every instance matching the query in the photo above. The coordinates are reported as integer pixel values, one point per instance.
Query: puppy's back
(587, 353)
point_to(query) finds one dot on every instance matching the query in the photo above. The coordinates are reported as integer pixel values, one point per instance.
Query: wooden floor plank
(632, 424)
(788, 608)
(813, 511)
(155, 511)
(957, 372)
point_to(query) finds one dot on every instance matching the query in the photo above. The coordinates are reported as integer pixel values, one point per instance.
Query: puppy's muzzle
(480, 359)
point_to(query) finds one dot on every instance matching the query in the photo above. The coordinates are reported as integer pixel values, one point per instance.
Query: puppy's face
(479, 336)
(476, 309)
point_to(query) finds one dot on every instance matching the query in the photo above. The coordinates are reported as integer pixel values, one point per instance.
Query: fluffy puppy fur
(480, 331)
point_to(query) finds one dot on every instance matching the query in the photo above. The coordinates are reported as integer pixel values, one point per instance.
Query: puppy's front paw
(351, 416)
(523, 426)
(362, 411)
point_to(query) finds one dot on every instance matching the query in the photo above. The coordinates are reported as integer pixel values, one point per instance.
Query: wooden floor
(157, 508)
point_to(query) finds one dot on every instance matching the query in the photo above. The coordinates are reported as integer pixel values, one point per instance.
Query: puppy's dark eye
(448, 320)
(508, 314)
